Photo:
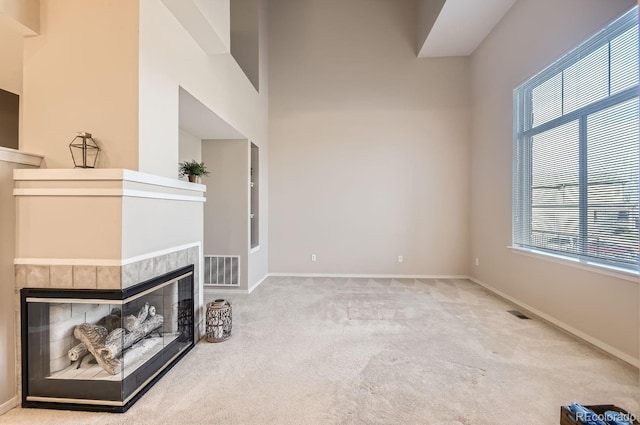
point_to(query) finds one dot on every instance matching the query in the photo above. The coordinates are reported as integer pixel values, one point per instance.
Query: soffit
(462, 25)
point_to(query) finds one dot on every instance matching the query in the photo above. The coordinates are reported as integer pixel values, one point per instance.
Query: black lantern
(85, 152)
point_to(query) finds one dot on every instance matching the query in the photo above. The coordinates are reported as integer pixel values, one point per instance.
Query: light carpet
(374, 351)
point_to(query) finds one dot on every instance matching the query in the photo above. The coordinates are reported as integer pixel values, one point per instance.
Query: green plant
(193, 168)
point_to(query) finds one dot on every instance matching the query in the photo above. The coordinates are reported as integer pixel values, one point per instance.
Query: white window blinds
(576, 156)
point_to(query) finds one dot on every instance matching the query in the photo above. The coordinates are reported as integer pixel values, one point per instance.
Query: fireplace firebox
(101, 350)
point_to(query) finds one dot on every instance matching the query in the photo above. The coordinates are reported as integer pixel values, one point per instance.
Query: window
(576, 152)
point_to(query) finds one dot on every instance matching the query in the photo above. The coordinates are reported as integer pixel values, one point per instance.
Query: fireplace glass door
(99, 350)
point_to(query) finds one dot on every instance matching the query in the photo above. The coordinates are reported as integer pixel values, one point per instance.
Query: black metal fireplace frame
(135, 377)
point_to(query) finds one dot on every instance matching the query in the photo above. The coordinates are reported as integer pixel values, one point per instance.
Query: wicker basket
(218, 320)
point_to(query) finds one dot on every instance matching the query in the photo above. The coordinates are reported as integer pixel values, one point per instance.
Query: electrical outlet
(477, 261)
(313, 257)
(400, 259)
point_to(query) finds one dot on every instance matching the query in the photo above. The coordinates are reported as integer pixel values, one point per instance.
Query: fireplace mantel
(97, 174)
(105, 229)
(108, 216)
(103, 182)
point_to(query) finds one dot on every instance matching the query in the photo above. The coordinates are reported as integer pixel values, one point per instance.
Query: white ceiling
(206, 20)
(197, 119)
(462, 25)
(458, 31)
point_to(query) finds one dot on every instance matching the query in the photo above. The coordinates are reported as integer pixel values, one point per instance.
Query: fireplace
(100, 350)
(131, 286)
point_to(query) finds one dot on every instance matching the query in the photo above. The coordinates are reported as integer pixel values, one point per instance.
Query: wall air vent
(222, 270)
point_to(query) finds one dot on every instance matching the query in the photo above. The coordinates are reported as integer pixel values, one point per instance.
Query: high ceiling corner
(206, 20)
(460, 26)
(22, 15)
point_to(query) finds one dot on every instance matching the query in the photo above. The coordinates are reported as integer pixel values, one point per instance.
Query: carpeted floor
(374, 351)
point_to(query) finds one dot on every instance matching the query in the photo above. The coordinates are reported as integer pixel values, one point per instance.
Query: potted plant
(193, 169)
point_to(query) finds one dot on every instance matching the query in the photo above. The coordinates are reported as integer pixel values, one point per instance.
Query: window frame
(524, 131)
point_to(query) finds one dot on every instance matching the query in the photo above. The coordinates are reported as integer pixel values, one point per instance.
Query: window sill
(254, 249)
(632, 276)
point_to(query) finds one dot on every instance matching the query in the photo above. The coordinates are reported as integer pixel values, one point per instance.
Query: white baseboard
(8, 405)
(258, 283)
(557, 323)
(227, 290)
(369, 276)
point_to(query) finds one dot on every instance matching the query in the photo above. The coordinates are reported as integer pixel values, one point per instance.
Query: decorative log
(107, 346)
(113, 321)
(77, 352)
(131, 323)
(151, 324)
(133, 354)
(118, 340)
(94, 337)
(110, 322)
(144, 311)
(113, 345)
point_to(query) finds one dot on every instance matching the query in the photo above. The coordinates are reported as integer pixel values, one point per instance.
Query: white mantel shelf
(104, 174)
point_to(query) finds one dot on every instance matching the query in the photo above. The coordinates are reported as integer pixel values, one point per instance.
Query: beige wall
(7, 292)
(71, 228)
(190, 147)
(603, 308)
(10, 80)
(8, 308)
(217, 81)
(81, 74)
(226, 213)
(368, 144)
(24, 14)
